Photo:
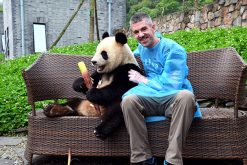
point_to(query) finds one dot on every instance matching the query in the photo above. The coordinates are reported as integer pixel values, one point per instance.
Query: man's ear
(121, 38)
(154, 27)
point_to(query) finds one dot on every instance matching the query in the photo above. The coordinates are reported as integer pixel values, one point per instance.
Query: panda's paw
(99, 134)
(94, 95)
(79, 85)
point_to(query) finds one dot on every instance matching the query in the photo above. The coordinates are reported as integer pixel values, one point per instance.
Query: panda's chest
(105, 80)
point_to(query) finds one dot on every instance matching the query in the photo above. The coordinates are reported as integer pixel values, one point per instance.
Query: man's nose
(141, 34)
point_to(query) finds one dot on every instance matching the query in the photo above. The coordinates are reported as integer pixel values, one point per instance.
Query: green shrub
(196, 40)
(13, 97)
(85, 49)
(2, 56)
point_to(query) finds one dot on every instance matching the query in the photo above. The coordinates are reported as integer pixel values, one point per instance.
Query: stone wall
(222, 13)
(54, 15)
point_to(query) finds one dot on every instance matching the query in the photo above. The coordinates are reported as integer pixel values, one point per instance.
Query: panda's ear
(106, 34)
(121, 38)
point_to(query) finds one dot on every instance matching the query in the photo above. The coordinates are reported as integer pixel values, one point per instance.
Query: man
(164, 91)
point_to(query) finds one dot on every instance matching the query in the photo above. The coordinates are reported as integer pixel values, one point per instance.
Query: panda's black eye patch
(104, 55)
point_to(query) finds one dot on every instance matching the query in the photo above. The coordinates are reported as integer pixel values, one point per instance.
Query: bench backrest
(218, 73)
(52, 76)
(214, 74)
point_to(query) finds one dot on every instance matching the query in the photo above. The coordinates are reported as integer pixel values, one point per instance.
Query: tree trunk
(67, 25)
(183, 5)
(96, 20)
(196, 4)
(91, 25)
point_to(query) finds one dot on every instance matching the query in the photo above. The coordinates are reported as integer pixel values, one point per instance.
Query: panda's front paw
(97, 132)
(94, 95)
(79, 85)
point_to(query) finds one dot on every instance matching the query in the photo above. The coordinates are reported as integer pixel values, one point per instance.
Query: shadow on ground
(62, 160)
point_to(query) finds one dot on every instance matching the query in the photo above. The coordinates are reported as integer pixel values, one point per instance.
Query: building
(33, 25)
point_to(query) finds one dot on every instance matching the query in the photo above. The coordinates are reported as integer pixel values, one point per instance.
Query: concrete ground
(12, 153)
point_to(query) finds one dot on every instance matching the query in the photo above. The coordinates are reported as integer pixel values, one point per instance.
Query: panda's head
(112, 52)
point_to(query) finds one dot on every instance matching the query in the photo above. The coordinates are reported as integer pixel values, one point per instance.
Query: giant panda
(113, 59)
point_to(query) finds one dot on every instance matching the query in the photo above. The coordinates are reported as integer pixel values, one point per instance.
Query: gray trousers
(179, 107)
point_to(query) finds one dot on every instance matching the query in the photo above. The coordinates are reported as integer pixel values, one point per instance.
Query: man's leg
(183, 110)
(134, 109)
(136, 127)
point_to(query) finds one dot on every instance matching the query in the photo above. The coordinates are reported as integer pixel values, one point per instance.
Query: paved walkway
(12, 153)
(11, 150)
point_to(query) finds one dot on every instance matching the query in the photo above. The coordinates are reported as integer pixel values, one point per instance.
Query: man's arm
(174, 73)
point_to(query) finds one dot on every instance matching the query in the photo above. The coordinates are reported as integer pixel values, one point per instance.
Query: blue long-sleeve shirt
(165, 66)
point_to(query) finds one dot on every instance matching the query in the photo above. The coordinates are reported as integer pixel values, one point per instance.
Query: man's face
(144, 33)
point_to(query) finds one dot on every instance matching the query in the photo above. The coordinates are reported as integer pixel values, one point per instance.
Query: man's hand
(136, 77)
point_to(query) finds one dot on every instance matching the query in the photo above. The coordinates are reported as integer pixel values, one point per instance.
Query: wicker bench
(220, 134)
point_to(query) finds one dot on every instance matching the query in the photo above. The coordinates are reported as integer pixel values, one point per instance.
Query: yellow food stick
(85, 74)
(82, 67)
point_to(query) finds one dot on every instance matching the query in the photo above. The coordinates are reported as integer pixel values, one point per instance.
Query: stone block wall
(222, 13)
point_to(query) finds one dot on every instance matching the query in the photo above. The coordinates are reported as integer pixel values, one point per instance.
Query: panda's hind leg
(111, 121)
(104, 131)
(57, 110)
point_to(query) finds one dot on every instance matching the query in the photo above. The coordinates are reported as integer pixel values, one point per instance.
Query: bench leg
(244, 161)
(28, 156)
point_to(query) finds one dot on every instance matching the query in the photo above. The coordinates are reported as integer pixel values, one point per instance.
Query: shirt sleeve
(174, 73)
(136, 52)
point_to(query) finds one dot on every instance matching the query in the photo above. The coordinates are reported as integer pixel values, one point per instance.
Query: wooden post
(67, 25)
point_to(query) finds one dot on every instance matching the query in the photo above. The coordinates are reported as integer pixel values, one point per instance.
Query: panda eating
(113, 59)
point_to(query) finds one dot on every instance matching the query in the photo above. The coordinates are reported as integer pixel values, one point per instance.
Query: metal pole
(22, 28)
(109, 16)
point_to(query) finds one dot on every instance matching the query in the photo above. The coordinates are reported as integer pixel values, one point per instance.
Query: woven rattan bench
(220, 134)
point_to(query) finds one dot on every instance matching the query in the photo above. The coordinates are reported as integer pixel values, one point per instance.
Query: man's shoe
(167, 163)
(150, 161)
